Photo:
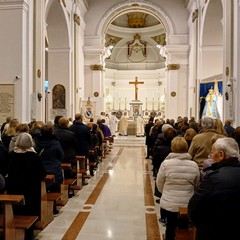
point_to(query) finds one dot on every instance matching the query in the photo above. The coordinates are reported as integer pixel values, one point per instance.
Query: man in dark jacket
(214, 208)
(68, 142)
(83, 135)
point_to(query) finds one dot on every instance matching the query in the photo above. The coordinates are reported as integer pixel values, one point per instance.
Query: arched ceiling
(123, 20)
(137, 28)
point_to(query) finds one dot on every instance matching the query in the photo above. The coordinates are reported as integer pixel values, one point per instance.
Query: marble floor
(117, 203)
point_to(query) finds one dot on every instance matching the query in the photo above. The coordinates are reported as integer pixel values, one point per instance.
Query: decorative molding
(96, 67)
(194, 15)
(173, 67)
(39, 73)
(160, 39)
(77, 19)
(111, 40)
(96, 94)
(136, 19)
(227, 71)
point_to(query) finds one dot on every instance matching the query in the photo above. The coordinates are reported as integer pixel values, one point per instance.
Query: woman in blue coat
(50, 150)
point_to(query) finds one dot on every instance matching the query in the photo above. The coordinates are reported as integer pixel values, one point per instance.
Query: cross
(136, 87)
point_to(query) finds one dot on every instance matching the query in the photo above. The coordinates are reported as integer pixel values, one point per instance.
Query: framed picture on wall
(6, 101)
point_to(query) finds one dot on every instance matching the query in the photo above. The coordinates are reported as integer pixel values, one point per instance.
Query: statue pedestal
(135, 109)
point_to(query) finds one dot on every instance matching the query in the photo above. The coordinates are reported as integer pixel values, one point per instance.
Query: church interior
(167, 58)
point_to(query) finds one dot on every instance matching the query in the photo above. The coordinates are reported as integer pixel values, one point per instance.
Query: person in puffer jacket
(177, 179)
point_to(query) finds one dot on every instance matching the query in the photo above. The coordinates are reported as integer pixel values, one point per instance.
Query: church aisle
(116, 204)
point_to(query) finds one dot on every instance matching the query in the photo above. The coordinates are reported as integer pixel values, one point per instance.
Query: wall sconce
(39, 96)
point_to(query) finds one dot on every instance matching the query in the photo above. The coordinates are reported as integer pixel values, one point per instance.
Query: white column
(16, 24)
(37, 109)
(236, 60)
(172, 101)
(227, 59)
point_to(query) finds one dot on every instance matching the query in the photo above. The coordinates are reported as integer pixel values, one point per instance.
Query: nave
(117, 203)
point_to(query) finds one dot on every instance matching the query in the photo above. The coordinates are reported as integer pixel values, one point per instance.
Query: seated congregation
(41, 167)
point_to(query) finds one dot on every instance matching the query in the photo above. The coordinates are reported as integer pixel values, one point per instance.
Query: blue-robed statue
(210, 99)
(210, 108)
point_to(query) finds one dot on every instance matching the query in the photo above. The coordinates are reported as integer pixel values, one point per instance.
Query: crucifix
(136, 87)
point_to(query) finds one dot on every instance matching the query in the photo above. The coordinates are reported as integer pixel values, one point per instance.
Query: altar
(135, 109)
(132, 127)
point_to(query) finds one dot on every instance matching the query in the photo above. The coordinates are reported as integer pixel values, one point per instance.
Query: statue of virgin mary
(210, 108)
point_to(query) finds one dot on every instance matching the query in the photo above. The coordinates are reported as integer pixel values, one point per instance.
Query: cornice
(173, 66)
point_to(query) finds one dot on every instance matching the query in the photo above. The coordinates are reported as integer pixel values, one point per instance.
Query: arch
(58, 30)
(212, 17)
(131, 6)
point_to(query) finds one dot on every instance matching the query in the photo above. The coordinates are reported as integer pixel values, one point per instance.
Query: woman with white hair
(25, 173)
(214, 207)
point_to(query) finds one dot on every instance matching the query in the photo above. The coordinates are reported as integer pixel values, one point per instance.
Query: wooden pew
(82, 168)
(104, 146)
(47, 203)
(69, 185)
(111, 140)
(14, 226)
(92, 161)
(185, 233)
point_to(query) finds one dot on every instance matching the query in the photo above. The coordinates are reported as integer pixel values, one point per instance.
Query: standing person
(9, 132)
(214, 208)
(68, 142)
(177, 179)
(189, 135)
(25, 173)
(35, 130)
(5, 124)
(228, 128)
(106, 129)
(201, 144)
(50, 150)
(83, 136)
(140, 127)
(107, 119)
(148, 141)
(56, 119)
(93, 158)
(123, 124)
(113, 124)
(3, 159)
(19, 129)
